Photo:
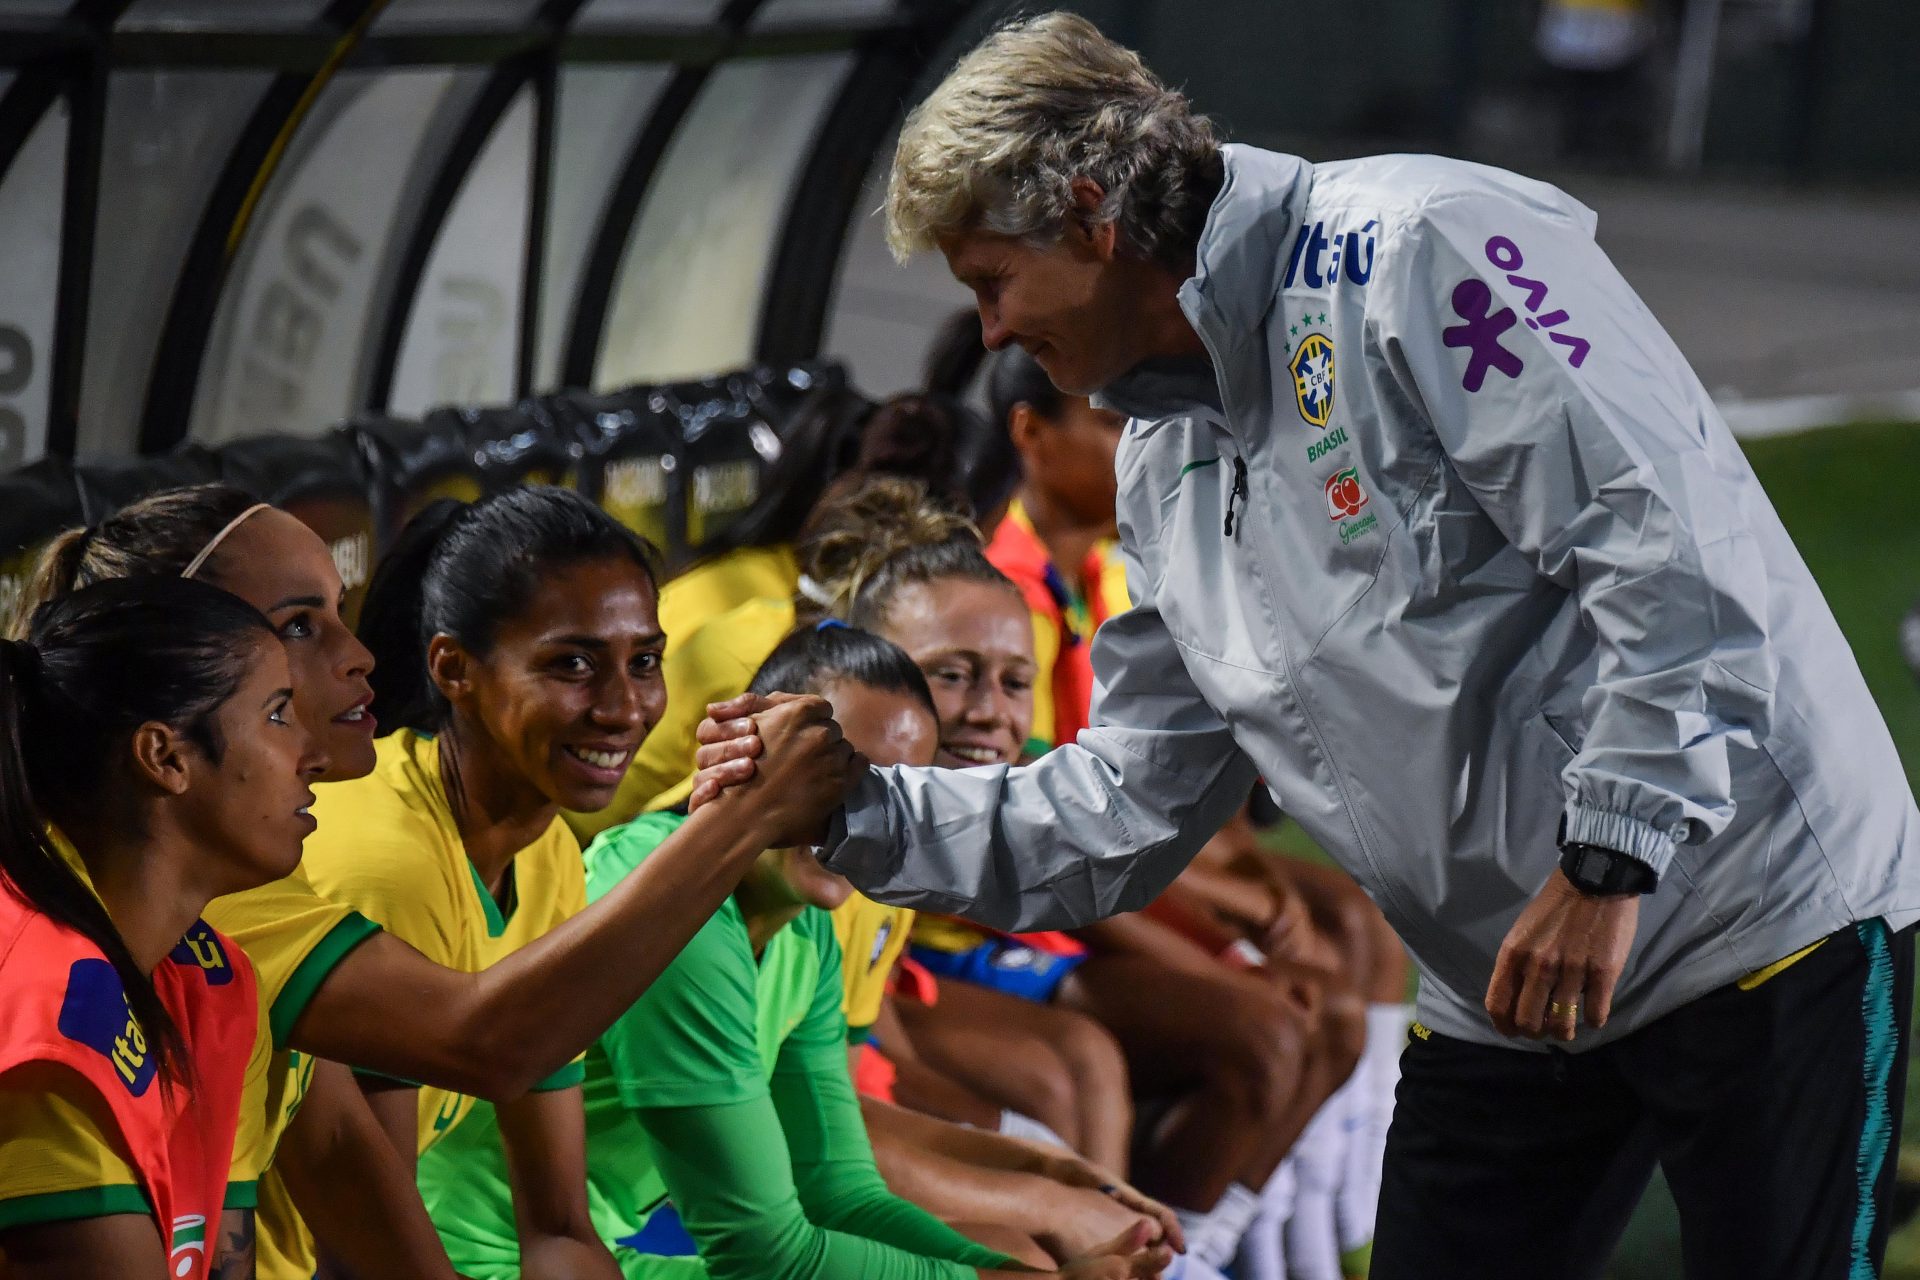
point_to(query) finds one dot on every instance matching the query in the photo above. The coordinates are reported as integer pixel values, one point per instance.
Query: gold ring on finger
(1558, 1010)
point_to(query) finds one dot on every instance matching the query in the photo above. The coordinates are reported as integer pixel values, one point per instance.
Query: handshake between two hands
(786, 751)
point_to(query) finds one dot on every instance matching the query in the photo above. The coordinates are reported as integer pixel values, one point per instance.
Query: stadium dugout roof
(226, 217)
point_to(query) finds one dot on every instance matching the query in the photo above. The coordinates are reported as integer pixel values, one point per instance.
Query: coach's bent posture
(1433, 530)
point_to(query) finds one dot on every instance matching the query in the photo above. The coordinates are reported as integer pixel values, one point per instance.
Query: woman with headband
(331, 981)
(165, 768)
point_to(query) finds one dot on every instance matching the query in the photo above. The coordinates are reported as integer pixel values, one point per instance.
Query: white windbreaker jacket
(1448, 545)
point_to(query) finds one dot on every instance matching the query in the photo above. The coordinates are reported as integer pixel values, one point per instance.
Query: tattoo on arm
(236, 1247)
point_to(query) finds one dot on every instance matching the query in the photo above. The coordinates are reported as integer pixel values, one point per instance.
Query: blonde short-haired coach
(1433, 530)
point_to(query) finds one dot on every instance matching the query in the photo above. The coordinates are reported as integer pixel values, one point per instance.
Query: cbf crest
(1312, 369)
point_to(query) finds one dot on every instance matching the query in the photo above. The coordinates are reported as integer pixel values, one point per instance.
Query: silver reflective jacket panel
(1499, 563)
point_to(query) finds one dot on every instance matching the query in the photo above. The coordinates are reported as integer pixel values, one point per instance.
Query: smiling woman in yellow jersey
(518, 648)
(331, 982)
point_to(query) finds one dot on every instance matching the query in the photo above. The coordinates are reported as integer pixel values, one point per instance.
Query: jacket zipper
(1238, 493)
(1286, 648)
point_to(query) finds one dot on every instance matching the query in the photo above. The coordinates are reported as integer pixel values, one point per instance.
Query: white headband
(193, 566)
(811, 590)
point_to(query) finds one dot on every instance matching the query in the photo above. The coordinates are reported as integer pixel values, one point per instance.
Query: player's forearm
(566, 1258)
(959, 1191)
(498, 1033)
(978, 1147)
(925, 1089)
(353, 1188)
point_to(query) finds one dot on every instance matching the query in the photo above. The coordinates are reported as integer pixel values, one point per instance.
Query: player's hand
(801, 773)
(1081, 1174)
(730, 743)
(1289, 934)
(1561, 960)
(1131, 1255)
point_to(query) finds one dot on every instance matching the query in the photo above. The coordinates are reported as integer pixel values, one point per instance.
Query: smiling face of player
(567, 691)
(973, 641)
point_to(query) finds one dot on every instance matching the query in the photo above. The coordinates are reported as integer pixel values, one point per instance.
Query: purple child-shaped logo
(1480, 335)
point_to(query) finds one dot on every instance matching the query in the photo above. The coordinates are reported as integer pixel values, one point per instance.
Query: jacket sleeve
(1089, 830)
(1564, 407)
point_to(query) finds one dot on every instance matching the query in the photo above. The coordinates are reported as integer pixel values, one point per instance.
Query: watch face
(1590, 867)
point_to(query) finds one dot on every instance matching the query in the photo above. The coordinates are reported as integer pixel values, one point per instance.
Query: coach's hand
(1560, 961)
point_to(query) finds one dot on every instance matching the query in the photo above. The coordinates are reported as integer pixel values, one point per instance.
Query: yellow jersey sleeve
(294, 937)
(64, 1159)
(872, 936)
(1046, 651)
(713, 587)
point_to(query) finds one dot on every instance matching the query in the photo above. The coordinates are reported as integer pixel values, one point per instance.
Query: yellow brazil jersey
(388, 845)
(711, 663)
(64, 1157)
(1109, 599)
(710, 588)
(872, 936)
(294, 938)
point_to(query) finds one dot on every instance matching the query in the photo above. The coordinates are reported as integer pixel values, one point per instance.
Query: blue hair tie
(825, 623)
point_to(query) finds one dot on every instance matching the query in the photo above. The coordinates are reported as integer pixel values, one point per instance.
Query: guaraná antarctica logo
(1345, 499)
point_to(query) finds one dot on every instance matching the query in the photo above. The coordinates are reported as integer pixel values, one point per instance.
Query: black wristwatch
(1600, 872)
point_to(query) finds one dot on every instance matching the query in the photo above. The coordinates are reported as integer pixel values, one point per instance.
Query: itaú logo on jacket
(1345, 497)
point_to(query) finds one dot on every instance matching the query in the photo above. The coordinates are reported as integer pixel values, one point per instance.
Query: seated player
(725, 1089)
(149, 760)
(518, 651)
(332, 983)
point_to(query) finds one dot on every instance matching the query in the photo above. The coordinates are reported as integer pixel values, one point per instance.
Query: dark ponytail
(1016, 378)
(988, 464)
(814, 658)
(462, 569)
(99, 663)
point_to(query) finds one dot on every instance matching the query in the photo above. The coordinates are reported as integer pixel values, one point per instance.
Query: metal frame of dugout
(550, 194)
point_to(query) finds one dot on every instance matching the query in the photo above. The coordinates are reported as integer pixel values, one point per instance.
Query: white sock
(1379, 1074)
(1015, 1125)
(1312, 1240)
(1214, 1236)
(1263, 1252)
(1187, 1267)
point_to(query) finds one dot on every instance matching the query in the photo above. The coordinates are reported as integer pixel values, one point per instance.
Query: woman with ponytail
(1245, 1058)
(517, 659)
(335, 986)
(150, 760)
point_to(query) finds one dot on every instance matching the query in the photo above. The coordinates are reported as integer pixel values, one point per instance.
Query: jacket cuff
(857, 828)
(1620, 832)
